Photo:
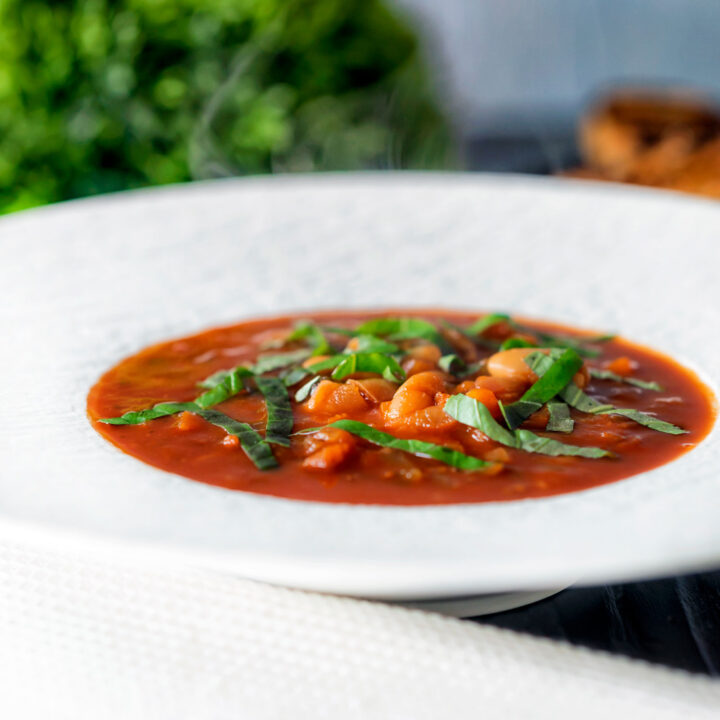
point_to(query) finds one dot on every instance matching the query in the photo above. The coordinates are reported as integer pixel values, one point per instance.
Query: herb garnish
(294, 376)
(136, 417)
(608, 375)
(251, 442)
(487, 321)
(452, 364)
(560, 371)
(405, 329)
(304, 392)
(578, 345)
(378, 363)
(560, 420)
(313, 335)
(576, 398)
(414, 447)
(279, 413)
(268, 363)
(473, 413)
(516, 342)
(372, 344)
(223, 385)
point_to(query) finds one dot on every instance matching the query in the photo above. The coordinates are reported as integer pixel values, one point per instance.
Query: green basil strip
(560, 420)
(530, 442)
(251, 441)
(608, 375)
(294, 376)
(304, 392)
(515, 342)
(555, 377)
(414, 447)
(475, 414)
(347, 332)
(373, 344)
(384, 365)
(223, 385)
(519, 411)
(268, 363)
(313, 335)
(576, 398)
(579, 345)
(644, 419)
(452, 364)
(162, 409)
(327, 364)
(405, 329)
(487, 321)
(279, 413)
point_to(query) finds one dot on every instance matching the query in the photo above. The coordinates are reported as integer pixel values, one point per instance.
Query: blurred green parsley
(104, 95)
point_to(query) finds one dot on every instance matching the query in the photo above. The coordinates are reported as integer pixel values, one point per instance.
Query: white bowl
(89, 282)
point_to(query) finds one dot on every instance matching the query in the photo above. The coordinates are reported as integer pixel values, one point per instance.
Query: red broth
(189, 446)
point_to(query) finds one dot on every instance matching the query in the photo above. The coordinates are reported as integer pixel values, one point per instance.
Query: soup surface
(401, 407)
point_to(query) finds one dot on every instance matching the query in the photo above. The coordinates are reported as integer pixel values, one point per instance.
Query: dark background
(674, 621)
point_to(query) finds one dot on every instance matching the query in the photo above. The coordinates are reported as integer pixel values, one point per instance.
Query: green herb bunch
(104, 95)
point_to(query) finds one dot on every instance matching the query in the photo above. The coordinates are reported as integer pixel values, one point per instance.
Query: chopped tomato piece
(328, 457)
(621, 366)
(189, 421)
(231, 441)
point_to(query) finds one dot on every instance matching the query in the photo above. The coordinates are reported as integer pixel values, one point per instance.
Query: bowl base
(474, 605)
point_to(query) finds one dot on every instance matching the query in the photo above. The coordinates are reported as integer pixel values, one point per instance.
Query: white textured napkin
(87, 636)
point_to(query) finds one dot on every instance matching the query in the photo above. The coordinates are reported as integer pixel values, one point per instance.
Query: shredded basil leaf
(515, 342)
(643, 419)
(519, 411)
(452, 364)
(405, 329)
(327, 364)
(294, 376)
(338, 331)
(268, 363)
(414, 447)
(560, 420)
(223, 385)
(608, 375)
(162, 409)
(475, 414)
(530, 442)
(555, 377)
(576, 398)
(372, 344)
(579, 345)
(313, 335)
(487, 321)
(251, 441)
(304, 392)
(279, 413)
(384, 365)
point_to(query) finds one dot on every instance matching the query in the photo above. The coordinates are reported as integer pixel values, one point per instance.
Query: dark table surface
(673, 621)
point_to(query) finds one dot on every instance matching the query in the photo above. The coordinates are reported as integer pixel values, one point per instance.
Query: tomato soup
(401, 407)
